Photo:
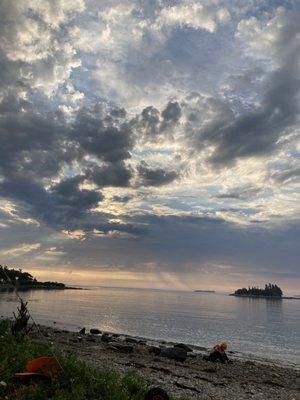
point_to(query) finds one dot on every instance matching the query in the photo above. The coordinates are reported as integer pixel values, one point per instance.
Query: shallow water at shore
(259, 328)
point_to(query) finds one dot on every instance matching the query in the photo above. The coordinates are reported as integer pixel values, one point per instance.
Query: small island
(270, 291)
(204, 291)
(11, 278)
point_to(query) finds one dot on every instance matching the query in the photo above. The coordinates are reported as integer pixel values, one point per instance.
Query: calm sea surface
(257, 327)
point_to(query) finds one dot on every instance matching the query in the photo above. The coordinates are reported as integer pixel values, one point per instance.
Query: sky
(151, 143)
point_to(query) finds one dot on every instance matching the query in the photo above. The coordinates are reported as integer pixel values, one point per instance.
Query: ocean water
(259, 328)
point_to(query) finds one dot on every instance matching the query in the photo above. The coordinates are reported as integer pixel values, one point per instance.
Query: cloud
(145, 134)
(35, 52)
(241, 134)
(156, 125)
(196, 16)
(122, 199)
(108, 142)
(59, 207)
(286, 175)
(20, 250)
(155, 176)
(241, 193)
(111, 174)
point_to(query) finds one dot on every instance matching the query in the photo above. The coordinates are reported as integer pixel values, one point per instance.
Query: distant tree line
(16, 277)
(270, 290)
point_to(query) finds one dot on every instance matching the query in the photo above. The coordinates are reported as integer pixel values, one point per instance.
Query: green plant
(78, 381)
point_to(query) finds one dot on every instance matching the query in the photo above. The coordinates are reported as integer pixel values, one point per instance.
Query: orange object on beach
(42, 366)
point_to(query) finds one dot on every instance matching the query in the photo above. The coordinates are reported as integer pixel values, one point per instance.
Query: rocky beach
(176, 367)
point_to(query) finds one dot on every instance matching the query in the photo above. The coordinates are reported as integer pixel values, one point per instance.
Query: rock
(131, 340)
(183, 346)
(154, 350)
(186, 387)
(105, 338)
(91, 339)
(202, 348)
(174, 353)
(3, 384)
(272, 383)
(95, 331)
(82, 331)
(297, 383)
(210, 370)
(123, 348)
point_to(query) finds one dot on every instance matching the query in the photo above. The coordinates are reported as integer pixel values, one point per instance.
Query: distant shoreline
(23, 288)
(204, 291)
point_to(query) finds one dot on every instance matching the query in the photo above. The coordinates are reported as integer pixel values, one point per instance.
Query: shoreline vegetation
(77, 381)
(178, 368)
(11, 278)
(271, 291)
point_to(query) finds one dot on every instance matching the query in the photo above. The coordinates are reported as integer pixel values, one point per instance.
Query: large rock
(174, 353)
(122, 348)
(106, 338)
(95, 331)
(154, 350)
(90, 338)
(130, 340)
(184, 347)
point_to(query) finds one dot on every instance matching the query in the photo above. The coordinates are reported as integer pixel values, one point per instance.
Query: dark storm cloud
(118, 113)
(170, 115)
(256, 133)
(57, 207)
(111, 174)
(31, 143)
(183, 244)
(149, 121)
(36, 144)
(109, 143)
(156, 125)
(155, 176)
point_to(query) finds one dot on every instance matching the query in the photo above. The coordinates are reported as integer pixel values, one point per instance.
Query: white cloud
(272, 37)
(34, 38)
(195, 15)
(20, 250)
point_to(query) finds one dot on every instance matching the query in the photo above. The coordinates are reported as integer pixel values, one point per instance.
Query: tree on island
(270, 290)
(19, 278)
